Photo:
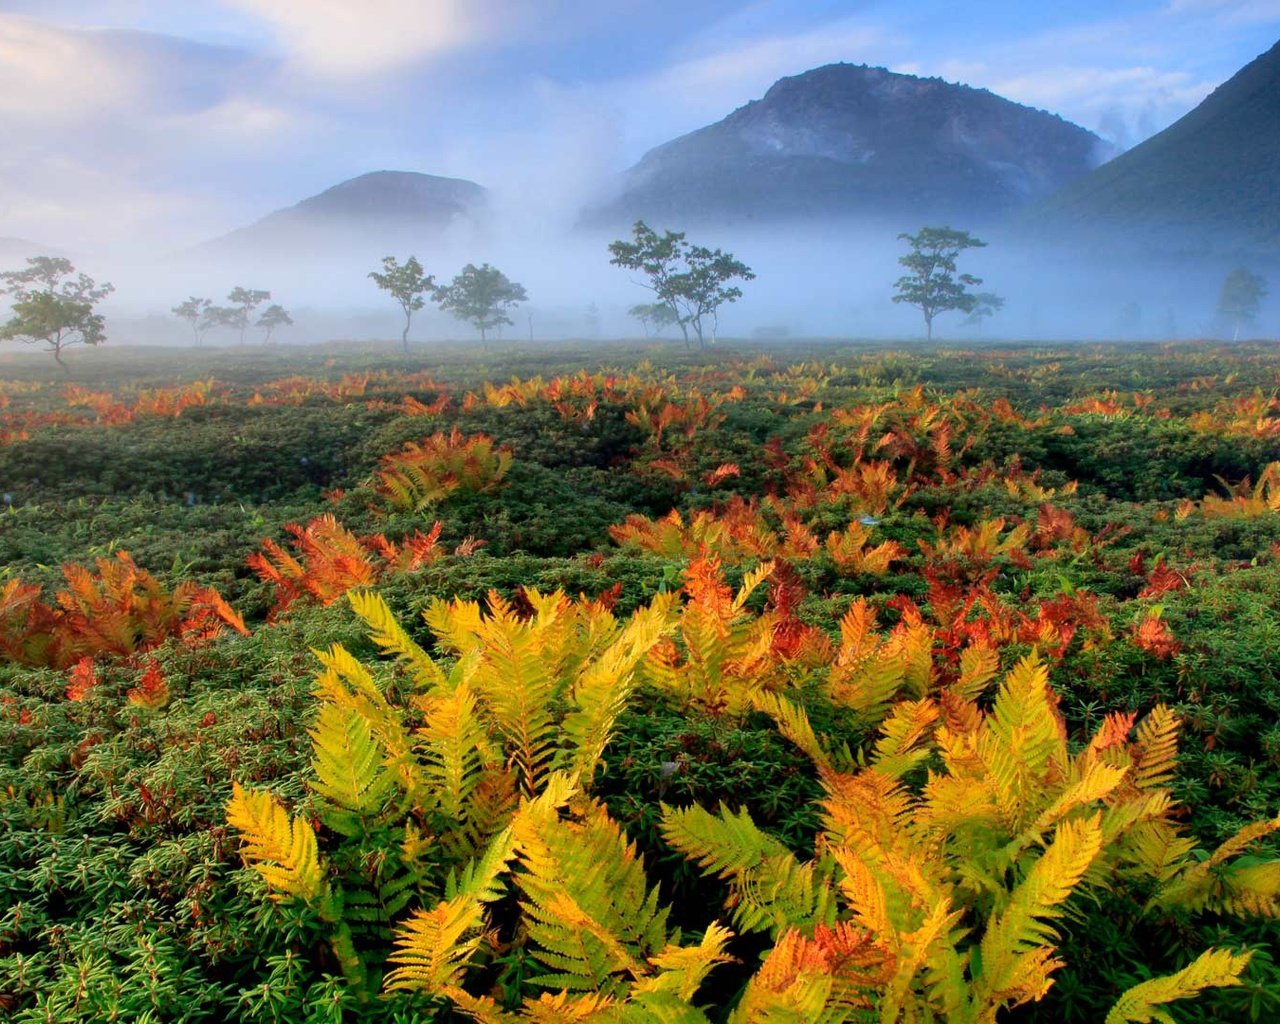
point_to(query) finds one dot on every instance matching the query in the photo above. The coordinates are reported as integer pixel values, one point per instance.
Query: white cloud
(50, 73)
(354, 38)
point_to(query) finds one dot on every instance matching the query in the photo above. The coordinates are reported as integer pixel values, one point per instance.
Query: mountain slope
(379, 211)
(1209, 183)
(849, 140)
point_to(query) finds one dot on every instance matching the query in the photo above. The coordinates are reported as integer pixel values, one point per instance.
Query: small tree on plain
(246, 300)
(49, 305)
(985, 306)
(407, 284)
(273, 318)
(692, 281)
(933, 285)
(481, 296)
(1242, 293)
(233, 318)
(654, 317)
(195, 311)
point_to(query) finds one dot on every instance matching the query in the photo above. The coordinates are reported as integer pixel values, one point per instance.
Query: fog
(830, 280)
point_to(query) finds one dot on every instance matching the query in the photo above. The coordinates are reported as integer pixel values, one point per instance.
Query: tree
(985, 305)
(49, 305)
(933, 286)
(481, 296)
(246, 300)
(1242, 293)
(273, 317)
(195, 311)
(232, 317)
(407, 285)
(691, 281)
(654, 317)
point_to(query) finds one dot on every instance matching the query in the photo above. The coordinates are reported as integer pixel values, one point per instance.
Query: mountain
(848, 140)
(16, 251)
(1207, 184)
(383, 211)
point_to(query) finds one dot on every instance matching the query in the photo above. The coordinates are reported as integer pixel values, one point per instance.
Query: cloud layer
(130, 120)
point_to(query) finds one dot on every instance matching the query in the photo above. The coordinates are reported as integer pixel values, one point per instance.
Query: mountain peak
(1207, 183)
(859, 141)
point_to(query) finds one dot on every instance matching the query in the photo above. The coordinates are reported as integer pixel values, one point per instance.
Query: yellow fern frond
(434, 947)
(282, 851)
(1214, 968)
(898, 749)
(1157, 748)
(391, 637)
(1018, 941)
(682, 969)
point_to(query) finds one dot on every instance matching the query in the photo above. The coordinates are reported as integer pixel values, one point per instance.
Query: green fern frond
(771, 889)
(349, 777)
(1142, 1004)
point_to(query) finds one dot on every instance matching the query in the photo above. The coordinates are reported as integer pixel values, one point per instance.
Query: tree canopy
(49, 305)
(691, 281)
(932, 283)
(1242, 293)
(481, 296)
(408, 285)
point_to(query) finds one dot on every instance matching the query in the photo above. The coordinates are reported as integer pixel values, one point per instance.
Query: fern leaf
(455, 750)
(348, 771)
(434, 947)
(682, 969)
(593, 920)
(604, 687)
(1141, 1004)
(283, 851)
(391, 637)
(793, 723)
(1157, 749)
(771, 889)
(1017, 944)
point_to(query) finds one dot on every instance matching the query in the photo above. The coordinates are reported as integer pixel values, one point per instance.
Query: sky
(165, 122)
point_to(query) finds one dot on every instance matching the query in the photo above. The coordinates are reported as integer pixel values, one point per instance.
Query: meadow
(805, 683)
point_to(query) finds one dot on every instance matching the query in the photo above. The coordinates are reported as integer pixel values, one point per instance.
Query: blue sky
(176, 119)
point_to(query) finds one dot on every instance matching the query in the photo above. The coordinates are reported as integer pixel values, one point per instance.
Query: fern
(391, 637)
(1142, 1004)
(589, 912)
(283, 851)
(349, 777)
(771, 889)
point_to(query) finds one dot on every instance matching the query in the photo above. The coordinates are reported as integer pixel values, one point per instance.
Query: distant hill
(383, 211)
(857, 141)
(1209, 184)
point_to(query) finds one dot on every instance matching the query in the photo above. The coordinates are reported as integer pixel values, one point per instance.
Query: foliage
(1242, 292)
(407, 284)
(50, 306)
(690, 281)
(481, 296)
(933, 285)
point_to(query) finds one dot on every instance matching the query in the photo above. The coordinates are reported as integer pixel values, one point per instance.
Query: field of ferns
(803, 685)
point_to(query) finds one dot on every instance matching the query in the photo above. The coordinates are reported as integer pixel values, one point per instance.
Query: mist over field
(1117, 172)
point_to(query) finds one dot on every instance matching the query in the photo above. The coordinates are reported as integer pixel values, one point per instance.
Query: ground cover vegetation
(819, 684)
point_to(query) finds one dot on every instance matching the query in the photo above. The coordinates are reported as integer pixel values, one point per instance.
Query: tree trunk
(404, 335)
(928, 327)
